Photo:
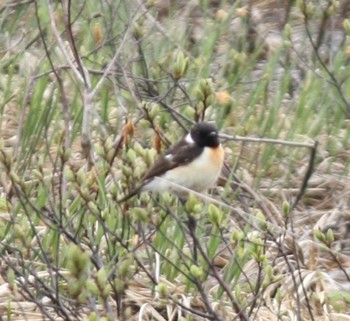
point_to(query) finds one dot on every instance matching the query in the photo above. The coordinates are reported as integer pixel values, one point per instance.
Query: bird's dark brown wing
(177, 147)
(179, 155)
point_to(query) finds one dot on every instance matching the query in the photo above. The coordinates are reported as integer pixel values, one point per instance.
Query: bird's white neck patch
(189, 139)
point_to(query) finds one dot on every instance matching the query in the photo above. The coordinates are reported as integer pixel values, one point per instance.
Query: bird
(195, 162)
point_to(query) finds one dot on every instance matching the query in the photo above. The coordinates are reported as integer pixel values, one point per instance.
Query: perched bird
(195, 162)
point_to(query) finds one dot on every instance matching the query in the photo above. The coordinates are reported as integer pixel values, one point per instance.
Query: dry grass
(253, 255)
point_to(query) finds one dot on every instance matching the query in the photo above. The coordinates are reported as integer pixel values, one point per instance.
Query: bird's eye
(213, 134)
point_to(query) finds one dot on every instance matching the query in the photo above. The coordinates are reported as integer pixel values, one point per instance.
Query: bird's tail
(130, 195)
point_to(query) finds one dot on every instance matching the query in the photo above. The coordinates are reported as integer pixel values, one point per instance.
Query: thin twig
(60, 43)
(244, 216)
(334, 81)
(307, 176)
(266, 140)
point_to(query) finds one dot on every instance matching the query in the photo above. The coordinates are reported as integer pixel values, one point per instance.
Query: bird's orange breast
(218, 155)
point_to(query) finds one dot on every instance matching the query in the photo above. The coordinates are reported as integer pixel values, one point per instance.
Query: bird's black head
(205, 134)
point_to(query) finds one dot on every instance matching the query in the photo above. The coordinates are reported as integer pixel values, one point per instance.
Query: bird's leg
(192, 224)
